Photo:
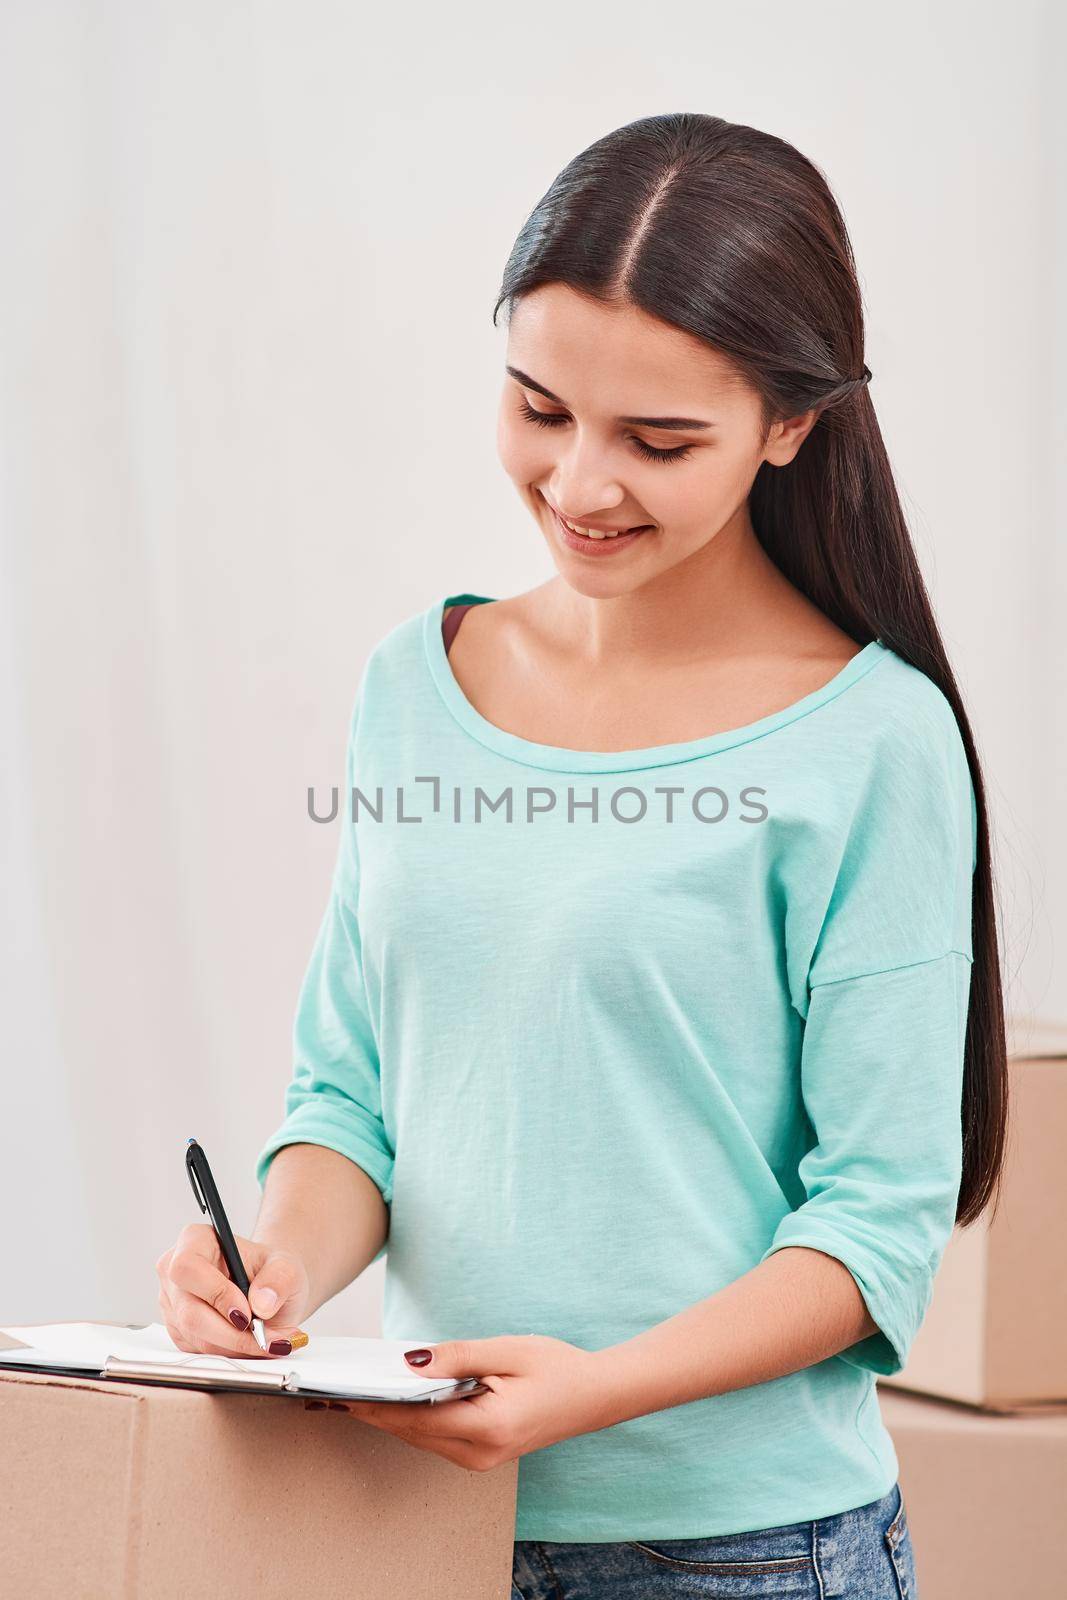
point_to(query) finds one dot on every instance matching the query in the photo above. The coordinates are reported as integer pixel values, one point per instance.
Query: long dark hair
(734, 236)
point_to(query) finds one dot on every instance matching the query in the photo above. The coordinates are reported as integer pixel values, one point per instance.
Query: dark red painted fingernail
(281, 1347)
(418, 1358)
(238, 1319)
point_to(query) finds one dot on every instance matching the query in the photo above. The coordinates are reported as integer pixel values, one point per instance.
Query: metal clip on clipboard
(260, 1377)
(178, 1373)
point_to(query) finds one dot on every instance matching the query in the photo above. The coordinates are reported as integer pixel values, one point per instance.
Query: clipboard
(223, 1374)
(172, 1375)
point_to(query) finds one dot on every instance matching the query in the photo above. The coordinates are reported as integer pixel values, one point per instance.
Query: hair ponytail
(733, 236)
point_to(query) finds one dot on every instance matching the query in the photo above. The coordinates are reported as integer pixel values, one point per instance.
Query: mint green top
(602, 1062)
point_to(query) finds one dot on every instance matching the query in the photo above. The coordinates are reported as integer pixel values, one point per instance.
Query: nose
(583, 477)
(582, 485)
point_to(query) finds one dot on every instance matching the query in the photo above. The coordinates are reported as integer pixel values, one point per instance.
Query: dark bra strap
(450, 626)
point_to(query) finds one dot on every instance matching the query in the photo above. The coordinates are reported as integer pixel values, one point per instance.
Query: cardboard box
(995, 1334)
(985, 1495)
(125, 1491)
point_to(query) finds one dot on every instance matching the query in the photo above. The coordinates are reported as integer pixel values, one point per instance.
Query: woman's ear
(787, 437)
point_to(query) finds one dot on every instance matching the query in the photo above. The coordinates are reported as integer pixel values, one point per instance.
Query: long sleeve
(334, 1096)
(883, 1046)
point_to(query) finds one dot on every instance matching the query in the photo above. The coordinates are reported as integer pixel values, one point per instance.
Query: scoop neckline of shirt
(560, 759)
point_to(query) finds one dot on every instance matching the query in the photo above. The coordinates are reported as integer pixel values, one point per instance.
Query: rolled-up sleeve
(885, 1024)
(882, 1076)
(334, 1095)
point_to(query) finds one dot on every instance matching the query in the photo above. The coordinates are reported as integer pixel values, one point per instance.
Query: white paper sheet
(330, 1363)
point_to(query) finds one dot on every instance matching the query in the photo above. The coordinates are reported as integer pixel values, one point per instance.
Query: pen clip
(201, 1202)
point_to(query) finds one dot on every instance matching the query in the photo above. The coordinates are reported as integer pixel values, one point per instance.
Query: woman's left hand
(542, 1390)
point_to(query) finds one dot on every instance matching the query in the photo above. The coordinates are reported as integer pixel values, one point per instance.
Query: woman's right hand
(197, 1295)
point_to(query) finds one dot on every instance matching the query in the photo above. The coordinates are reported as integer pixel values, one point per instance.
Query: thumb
(272, 1286)
(264, 1300)
(468, 1358)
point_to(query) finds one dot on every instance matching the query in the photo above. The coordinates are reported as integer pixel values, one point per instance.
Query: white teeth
(589, 533)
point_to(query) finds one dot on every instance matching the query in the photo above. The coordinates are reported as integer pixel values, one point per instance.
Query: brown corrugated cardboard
(995, 1334)
(125, 1491)
(986, 1498)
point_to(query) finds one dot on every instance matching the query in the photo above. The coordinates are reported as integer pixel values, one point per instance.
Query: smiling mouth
(582, 532)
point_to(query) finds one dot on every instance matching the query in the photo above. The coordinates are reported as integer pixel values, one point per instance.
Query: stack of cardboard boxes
(128, 1491)
(979, 1413)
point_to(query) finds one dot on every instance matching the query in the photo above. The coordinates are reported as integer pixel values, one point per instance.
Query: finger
(192, 1345)
(400, 1427)
(165, 1313)
(462, 1452)
(197, 1239)
(204, 1347)
(508, 1353)
(199, 1332)
(194, 1274)
(201, 1327)
(188, 1334)
(432, 1422)
(274, 1285)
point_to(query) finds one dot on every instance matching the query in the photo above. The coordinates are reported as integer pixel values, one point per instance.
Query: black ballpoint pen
(207, 1198)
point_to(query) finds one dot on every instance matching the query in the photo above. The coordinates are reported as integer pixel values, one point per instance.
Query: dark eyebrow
(639, 422)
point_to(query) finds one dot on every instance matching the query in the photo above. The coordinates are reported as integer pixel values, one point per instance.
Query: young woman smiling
(665, 1126)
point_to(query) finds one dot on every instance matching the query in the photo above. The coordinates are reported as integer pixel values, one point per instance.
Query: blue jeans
(863, 1554)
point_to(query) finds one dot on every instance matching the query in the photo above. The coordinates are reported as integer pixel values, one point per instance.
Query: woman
(667, 1046)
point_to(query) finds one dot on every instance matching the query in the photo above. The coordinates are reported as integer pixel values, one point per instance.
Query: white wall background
(248, 388)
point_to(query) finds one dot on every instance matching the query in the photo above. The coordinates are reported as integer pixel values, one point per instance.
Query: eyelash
(548, 419)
